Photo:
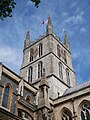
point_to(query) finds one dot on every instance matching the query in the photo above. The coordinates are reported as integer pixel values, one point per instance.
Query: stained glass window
(6, 96)
(30, 74)
(67, 76)
(31, 54)
(58, 51)
(85, 111)
(60, 70)
(66, 115)
(40, 50)
(40, 66)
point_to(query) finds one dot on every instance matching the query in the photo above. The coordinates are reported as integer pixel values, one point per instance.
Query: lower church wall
(73, 105)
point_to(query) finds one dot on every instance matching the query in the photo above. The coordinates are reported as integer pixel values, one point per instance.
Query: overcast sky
(71, 15)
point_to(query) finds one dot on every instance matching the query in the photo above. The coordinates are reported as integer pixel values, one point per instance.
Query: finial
(49, 20)
(63, 29)
(64, 32)
(27, 40)
(28, 35)
(49, 28)
(66, 42)
(65, 37)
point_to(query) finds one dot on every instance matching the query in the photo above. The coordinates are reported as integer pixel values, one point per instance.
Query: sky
(71, 15)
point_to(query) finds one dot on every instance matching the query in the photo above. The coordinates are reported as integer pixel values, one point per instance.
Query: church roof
(77, 88)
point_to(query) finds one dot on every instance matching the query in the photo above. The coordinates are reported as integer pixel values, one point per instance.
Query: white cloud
(29, 3)
(65, 14)
(85, 56)
(73, 4)
(10, 55)
(78, 10)
(75, 55)
(83, 30)
(76, 19)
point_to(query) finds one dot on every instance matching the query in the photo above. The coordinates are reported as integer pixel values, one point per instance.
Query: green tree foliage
(6, 7)
(36, 2)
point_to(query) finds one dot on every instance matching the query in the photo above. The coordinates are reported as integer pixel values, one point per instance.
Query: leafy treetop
(6, 7)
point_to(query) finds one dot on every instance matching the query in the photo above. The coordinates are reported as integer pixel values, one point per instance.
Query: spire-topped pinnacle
(49, 21)
(66, 42)
(28, 35)
(27, 40)
(49, 28)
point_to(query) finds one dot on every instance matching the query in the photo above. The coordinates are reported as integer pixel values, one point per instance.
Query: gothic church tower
(50, 53)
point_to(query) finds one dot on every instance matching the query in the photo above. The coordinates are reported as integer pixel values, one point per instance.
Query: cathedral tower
(50, 53)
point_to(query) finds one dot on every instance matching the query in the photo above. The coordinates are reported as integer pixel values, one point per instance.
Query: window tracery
(65, 59)
(85, 111)
(30, 74)
(66, 115)
(40, 69)
(68, 76)
(24, 115)
(40, 49)
(6, 96)
(31, 54)
(60, 70)
(58, 51)
(28, 99)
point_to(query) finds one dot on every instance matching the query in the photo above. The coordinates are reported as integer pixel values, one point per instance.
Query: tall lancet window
(31, 54)
(40, 69)
(30, 74)
(40, 50)
(66, 115)
(6, 97)
(85, 111)
(68, 76)
(58, 51)
(65, 59)
(60, 71)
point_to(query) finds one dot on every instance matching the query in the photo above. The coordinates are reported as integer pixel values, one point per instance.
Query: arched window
(28, 99)
(58, 51)
(40, 50)
(60, 71)
(66, 115)
(65, 59)
(6, 97)
(40, 69)
(24, 115)
(85, 111)
(31, 54)
(68, 76)
(30, 74)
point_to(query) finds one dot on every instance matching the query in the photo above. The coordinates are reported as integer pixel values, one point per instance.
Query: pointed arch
(24, 114)
(28, 99)
(66, 114)
(31, 54)
(58, 51)
(68, 76)
(40, 49)
(30, 74)
(7, 95)
(40, 69)
(60, 71)
(84, 110)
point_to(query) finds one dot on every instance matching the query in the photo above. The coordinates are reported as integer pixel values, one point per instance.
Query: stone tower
(50, 53)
